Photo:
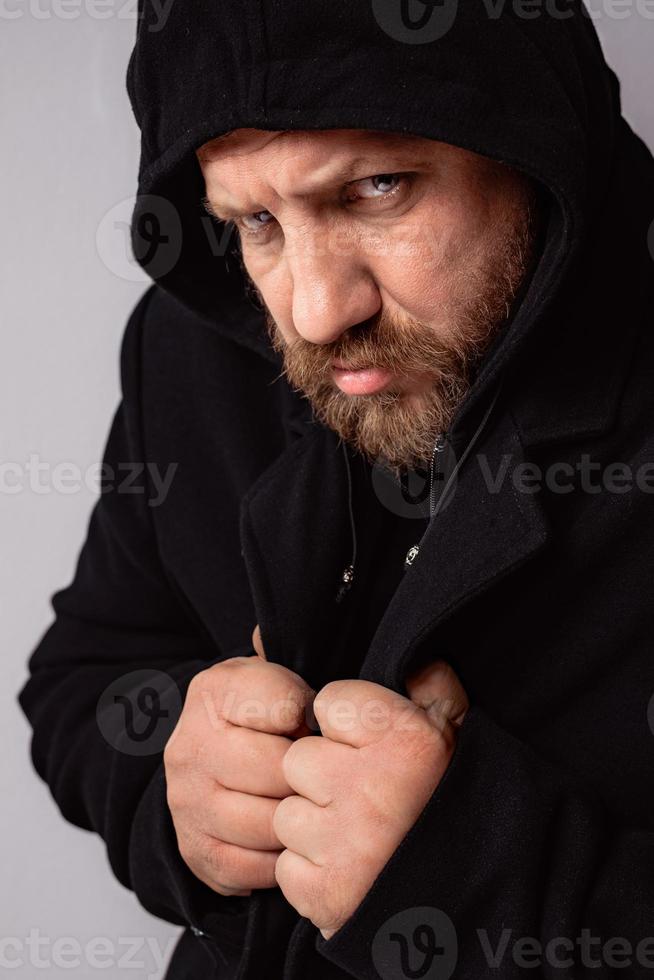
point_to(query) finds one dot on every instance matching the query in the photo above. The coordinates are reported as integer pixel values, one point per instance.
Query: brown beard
(390, 427)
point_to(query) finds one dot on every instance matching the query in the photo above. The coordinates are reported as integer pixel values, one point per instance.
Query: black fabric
(383, 537)
(541, 601)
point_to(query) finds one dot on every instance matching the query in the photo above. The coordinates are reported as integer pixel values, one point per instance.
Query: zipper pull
(347, 576)
(347, 579)
(411, 556)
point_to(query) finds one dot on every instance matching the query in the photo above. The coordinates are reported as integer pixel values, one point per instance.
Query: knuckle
(271, 828)
(223, 890)
(277, 822)
(425, 745)
(171, 754)
(282, 877)
(176, 798)
(287, 818)
(189, 755)
(289, 761)
(211, 863)
(196, 753)
(174, 750)
(333, 688)
(228, 865)
(197, 683)
(189, 851)
(233, 662)
(329, 889)
(212, 679)
(318, 897)
(216, 859)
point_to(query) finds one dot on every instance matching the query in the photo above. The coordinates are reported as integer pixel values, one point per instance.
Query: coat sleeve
(513, 869)
(108, 679)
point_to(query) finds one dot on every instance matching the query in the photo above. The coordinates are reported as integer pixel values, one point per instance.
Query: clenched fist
(361, 787)
(224, 770)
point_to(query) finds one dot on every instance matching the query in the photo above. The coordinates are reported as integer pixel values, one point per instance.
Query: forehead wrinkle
(294, 184)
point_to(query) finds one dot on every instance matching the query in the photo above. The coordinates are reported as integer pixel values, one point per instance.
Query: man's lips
(360, 381)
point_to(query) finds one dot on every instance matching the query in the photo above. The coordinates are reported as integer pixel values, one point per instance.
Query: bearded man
(367, 691)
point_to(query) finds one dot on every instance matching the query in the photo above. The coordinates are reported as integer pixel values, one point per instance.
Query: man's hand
(224, 770)
(361, 787)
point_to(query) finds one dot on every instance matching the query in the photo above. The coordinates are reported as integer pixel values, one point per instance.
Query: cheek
(438, 255)
(418, 271)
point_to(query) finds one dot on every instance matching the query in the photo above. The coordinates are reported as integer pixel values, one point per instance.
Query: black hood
(534, 92)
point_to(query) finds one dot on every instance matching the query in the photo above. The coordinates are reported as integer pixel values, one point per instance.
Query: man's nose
(331, 293)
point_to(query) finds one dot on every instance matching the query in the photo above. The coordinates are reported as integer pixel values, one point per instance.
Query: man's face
(385, 264)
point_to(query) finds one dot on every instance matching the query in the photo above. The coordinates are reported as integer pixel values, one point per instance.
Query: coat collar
(486, 530)
(295, 528)
(295, 536)
(570, 385)
(568, 382)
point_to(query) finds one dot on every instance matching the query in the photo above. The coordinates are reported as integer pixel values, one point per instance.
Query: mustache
(399, 345)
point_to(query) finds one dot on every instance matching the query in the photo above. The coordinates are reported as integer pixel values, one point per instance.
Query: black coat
(538, 594)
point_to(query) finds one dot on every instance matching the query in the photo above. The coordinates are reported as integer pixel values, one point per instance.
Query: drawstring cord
(435, 506)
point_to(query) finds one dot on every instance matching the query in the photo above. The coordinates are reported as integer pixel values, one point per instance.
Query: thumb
(438, 690)
(257, 642)
(303, 728)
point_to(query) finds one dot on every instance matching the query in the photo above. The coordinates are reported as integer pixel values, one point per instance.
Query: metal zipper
(438, 449)
(437, 454)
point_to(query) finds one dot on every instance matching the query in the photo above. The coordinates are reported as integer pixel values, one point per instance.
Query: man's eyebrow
(353, 170)
(392, 159)
(221, 214)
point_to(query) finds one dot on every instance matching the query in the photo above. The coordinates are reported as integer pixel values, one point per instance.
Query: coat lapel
(487, 529)
(295, 535)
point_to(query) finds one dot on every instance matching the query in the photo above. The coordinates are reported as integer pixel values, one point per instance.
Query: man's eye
(377, 186)
(255, 221)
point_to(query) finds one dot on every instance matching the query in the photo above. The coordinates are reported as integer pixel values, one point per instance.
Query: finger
(242, 819)
(314, 766)
(253, 693)
(301, 826)
(299, 881)
(257, 642)
(227, 866)
(303, 728)
(437, 690)
(358, 713)
(252, 762)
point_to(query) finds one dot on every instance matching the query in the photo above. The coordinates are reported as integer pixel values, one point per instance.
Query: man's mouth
(360, 381)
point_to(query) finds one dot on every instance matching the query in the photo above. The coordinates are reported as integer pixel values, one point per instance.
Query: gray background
(69, 169)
